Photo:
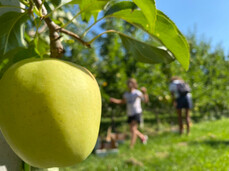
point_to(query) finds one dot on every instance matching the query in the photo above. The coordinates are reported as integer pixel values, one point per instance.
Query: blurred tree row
(208, 75)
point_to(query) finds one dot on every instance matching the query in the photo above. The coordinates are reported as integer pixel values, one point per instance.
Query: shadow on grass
(212, 143)
(117, 123)
(153, 121)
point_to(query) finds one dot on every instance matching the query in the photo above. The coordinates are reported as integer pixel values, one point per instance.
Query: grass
(206, 148)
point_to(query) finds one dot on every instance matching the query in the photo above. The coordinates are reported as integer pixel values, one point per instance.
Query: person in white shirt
(181, 101)
(132, 98)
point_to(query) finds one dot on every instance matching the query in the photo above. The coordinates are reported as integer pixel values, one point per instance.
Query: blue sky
(209, 19)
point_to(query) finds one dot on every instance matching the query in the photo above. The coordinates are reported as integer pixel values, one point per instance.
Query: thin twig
(41, 30)
(80, 12)
(77, 37)
(108, 31)
(86, 31)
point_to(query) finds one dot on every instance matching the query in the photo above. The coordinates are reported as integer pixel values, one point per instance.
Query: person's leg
(179, 113)
(133, 134)
(137, 121)
(187, 118)
(144, 138)
(138, 133)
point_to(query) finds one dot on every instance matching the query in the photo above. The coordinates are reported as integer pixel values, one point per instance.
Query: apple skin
(50, 111)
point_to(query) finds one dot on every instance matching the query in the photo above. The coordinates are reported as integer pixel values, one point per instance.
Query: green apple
(50, 111)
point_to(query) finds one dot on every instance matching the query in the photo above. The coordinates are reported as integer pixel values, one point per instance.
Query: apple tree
(26, 25)
(60, 28)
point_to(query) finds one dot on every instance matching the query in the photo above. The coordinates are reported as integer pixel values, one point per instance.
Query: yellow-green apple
(50, 111)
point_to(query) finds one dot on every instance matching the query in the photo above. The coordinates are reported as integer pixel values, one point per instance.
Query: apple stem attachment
(56, 47)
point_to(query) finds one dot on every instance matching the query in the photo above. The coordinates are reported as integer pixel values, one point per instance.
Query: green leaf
(41, 47)
(9, 6)
(120, 6)
(91, 8)
(27, 167)
(172, 38)
(135, 17)
(146, 53)
(166, 33)
(88, 8)
(145, 17)
(56, 2)
(10, 34)
(7, 58)
(149, 10)
(63, 3)
(72, 2)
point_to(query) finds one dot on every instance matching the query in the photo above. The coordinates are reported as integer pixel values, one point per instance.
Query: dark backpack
(183, 89)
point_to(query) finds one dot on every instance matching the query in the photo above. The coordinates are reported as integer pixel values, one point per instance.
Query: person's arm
(145, 95)
(117, 101)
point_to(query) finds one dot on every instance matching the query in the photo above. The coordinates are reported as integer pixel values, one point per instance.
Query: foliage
(208, 76)
(74, 14)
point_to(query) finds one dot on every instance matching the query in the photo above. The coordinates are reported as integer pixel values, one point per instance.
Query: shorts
(184, 102)
(136, 117)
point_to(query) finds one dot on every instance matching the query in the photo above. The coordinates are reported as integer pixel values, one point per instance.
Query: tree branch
(56, 48)
(62, 30)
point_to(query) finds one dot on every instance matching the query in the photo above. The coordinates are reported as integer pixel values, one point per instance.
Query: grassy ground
(206, 148)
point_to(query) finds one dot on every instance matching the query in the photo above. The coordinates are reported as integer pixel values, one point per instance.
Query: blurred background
(205, 26)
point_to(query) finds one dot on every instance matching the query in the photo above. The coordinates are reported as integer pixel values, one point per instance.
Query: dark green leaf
(120, 6)
(10, 34)
(145, 52)
(8, 57)
(9, 6)
(56, 2)
(172, 38)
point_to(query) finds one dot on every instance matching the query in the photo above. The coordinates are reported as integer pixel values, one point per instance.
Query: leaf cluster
(162, 41)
